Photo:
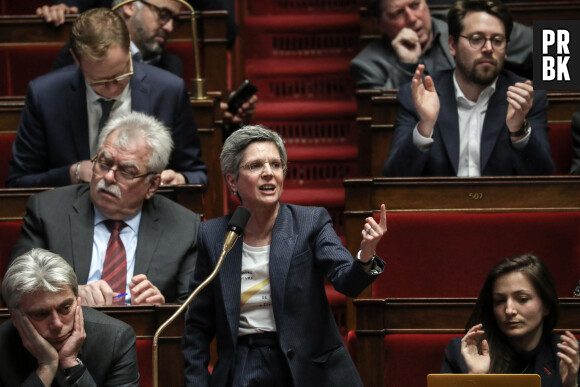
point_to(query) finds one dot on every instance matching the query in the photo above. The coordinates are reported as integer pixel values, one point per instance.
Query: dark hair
(458, 11)
(538, 274)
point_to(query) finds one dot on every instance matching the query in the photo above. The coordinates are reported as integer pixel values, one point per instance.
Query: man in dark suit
(480, 120)
(51, 340)
(65, 110)
(159, 236)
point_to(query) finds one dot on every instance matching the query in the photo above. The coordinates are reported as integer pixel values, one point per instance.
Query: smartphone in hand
(240, 96)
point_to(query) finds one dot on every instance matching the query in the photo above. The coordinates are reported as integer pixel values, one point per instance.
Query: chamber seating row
(444, 235)
(28, 47)
(377, 111)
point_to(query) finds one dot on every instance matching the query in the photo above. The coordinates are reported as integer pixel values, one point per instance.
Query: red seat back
(561, 147)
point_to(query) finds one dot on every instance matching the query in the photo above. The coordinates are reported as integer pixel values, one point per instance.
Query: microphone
(236, 227)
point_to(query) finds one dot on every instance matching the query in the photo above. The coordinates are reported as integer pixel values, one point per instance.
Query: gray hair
(137, 3)
(34, 271)
(134, 124)
(237, 142)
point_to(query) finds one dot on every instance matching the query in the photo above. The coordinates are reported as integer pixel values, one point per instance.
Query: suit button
(290, 353)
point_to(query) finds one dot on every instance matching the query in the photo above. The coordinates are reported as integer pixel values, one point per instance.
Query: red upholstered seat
(145, 361)
(561, 147)
(9, 232)
(6, 140)
(448, 254)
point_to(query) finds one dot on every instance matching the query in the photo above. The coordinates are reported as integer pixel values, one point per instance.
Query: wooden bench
(377, 112)
(207, 115)
(399, 341)
(28, 47)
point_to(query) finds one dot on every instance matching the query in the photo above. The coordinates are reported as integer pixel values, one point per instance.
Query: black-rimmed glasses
(164, 14)
(477, 41)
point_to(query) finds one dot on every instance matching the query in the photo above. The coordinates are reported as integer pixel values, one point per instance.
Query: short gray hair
(137, 3)
(237, 142)
(134, 124)
(34, 271)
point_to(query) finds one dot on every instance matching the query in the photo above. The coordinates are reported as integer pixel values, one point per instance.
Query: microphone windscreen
(239, 220)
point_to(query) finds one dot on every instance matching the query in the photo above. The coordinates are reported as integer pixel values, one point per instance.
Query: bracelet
(77, 177)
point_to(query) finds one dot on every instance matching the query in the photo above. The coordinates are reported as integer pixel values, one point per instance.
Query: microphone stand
(198, 84)
(228, 244)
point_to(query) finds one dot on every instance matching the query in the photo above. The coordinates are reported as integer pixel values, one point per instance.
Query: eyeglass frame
(485, 39)
(116, 80)
(163, 20)
(123, 178)
(257, 171)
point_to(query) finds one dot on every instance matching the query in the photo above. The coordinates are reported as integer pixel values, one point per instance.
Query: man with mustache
(50, 339)
(158, 236)
(65, 110)
(411, 35)
(478, 119)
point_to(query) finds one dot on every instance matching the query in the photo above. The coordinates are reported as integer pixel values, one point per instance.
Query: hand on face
(426, 101)
(38, 346)
(144, 292)
(372, 234)
(569, 361)
(476, 363)
(520, 98)
(407, 46)
(68, 353)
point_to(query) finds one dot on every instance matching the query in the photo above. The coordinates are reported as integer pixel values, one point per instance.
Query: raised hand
(372, 233)
(426, 101)
(520, 98)
(477, 363)
(568, 354)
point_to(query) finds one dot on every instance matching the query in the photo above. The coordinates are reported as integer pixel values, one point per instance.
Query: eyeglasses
(257, 166)
(164, 15)
(477, 41)
(101, 167)
(115, 81)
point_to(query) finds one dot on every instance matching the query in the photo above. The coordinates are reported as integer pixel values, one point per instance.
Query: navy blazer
(109, 353)
(62, 221)
(498, 156)
(53, 129)
(304, 249)
(546, 364)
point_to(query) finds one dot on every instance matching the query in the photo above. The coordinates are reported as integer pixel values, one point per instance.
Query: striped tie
(115, 266)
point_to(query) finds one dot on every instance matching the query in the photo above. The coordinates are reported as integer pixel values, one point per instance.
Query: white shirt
(101, 237)
(256, 312)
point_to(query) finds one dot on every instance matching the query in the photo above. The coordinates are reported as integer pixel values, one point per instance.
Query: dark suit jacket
(575, 169)
(547, 364)
(498, 156)
(61, 220)
(109, 353)
(53, 129)
(304, 249)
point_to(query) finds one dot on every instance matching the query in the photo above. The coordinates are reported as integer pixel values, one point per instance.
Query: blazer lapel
(281, 248)
(494, 122)
(78, 117)
(547, 364)
(448, 120)
(231, 283)
(148, 237)
(81, 232)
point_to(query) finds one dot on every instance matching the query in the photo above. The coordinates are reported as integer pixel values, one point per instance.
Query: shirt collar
(484, 95)
(132, 222)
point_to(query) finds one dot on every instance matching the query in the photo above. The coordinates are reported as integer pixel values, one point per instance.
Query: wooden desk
(145, 320)
(452, 194)
(13, 200)
(379, 317)
(30, 30)
(207, 114)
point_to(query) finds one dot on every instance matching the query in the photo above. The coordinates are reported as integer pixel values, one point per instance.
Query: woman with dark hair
(510, 328)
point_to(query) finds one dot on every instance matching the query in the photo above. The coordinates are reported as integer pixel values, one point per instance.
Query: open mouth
(267, 188)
